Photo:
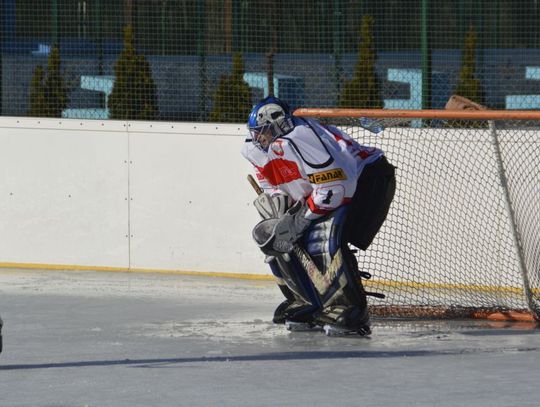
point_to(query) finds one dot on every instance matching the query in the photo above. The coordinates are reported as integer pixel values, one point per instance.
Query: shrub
(133, 96)
(363, 90)
(37, 93)
(232, 98)
(468, 85)
(48, 92)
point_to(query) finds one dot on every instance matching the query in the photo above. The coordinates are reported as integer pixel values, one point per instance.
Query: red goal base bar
(441, 312)
(507, 316)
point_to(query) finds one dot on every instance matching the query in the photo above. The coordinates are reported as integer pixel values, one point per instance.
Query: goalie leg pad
(330, 290)
(344, 298)
(289, 272)
(301, 301)
(306, 301)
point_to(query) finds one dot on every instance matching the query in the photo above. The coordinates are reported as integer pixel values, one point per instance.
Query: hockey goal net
(462, 238)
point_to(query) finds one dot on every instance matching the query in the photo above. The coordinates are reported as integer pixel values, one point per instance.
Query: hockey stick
(320, 281)
(254, 184)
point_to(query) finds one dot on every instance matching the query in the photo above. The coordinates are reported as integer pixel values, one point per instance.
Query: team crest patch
(327, 176)
(277, 148)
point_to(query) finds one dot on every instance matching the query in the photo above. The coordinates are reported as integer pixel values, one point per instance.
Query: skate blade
(331, 330)
(300, 326)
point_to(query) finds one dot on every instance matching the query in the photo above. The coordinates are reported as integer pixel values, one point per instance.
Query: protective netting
(406, 54)
(463, 233)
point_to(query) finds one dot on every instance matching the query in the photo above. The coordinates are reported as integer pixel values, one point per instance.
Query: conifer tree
(48, 92)
(37, 93)
(55, 90)
(363, 90)
(133, 96)
(232, 98)
(468, 84)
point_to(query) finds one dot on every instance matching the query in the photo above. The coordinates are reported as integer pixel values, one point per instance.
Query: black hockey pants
(370, 204)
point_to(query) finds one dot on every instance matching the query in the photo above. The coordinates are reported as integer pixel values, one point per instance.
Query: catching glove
(292, 225)
(277, 235)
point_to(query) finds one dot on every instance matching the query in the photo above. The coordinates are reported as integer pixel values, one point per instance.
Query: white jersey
(314, 162)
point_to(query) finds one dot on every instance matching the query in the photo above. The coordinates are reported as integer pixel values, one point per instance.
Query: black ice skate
(295, 326)
(345, 321)
(334, 330)
(295, 315)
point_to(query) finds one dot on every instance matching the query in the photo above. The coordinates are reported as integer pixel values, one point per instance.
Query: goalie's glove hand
(277, 235)
(292, 225)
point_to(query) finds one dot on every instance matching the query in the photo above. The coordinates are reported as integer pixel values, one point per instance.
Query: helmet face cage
(269, 118)
(258, 133)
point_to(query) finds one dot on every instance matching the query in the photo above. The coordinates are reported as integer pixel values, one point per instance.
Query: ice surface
(125, 339)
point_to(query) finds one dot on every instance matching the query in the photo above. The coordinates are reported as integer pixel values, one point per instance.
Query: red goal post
(462, 239)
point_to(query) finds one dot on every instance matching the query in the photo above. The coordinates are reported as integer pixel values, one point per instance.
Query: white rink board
(63, 192)
(163, 196)
(191, 205)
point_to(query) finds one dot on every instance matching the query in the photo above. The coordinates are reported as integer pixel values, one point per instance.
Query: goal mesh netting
(462, 238)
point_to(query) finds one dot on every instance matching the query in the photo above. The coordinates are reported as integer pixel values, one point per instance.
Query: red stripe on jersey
(280, 171)
(339, 137)
(367, 152)
(260, 177)
(314, 208)
(319, 211)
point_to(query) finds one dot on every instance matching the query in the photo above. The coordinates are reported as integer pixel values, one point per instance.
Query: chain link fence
(210, 60)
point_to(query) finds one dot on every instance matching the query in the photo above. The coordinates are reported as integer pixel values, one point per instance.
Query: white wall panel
(191, 205)
(63, 192)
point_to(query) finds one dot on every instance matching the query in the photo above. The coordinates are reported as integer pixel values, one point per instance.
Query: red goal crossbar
(421, 114)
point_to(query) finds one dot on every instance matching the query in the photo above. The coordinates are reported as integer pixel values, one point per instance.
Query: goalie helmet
(270, 118)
